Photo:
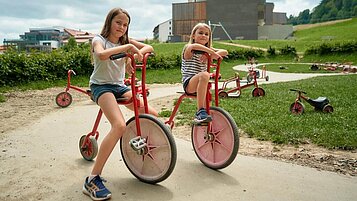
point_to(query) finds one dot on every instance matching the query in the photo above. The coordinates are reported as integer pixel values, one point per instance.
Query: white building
(163, 31)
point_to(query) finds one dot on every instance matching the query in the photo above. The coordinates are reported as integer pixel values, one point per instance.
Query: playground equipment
(147, 146)
(320, 104)
(215, 143)
(64, 99)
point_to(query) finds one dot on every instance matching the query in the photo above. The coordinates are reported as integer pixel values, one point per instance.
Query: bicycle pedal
(137, 143)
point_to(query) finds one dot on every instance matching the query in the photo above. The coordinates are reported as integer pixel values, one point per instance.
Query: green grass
(310, 37)
(269, 118)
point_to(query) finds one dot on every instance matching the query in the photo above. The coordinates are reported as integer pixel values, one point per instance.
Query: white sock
(91, 177)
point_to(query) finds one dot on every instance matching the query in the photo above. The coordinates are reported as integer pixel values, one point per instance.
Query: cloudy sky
(17, 16)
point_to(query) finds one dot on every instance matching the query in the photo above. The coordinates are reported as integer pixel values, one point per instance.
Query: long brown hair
(108, 21)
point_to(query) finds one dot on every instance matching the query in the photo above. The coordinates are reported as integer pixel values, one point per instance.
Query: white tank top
(107, 71)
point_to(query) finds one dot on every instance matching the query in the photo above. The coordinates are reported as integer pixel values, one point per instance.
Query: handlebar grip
(117, 56)
(298, 91)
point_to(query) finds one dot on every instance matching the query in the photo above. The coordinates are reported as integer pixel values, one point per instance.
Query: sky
(18, 16)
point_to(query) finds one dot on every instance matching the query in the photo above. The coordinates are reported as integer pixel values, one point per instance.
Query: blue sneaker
(96, 189)
(202, 116)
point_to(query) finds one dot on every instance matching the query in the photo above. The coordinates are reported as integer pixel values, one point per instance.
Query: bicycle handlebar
(118, 56)
(297, 90)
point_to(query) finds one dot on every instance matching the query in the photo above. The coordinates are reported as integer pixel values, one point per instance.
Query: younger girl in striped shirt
(195, 77)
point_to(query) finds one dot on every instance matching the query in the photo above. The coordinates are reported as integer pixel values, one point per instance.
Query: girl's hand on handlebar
(216, 56)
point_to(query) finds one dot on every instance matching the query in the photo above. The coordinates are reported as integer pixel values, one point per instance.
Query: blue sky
(17, 16)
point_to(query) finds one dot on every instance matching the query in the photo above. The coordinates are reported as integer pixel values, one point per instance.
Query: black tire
(221, 151)
(153, 130)
(90, 149)
(257, 92)
(222, 94)
(327, 108)
(297, 108)
(63, 99)
(249, 78)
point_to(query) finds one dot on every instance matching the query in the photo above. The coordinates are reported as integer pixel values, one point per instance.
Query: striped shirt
(193, 66)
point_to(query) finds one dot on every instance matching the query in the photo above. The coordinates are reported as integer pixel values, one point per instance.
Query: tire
(159, 159)
(257, 92)
(88, 149)
(221, 150)
(327, 108)
(297, 108)
(63, 99)
(222, 94)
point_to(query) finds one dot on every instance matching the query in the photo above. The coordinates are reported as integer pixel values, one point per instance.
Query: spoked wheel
(217, 146)
(297, 107)
(327, 108)
(64, 99)
(158, 158)
(258, 92)
(88, 148)
(222, 94)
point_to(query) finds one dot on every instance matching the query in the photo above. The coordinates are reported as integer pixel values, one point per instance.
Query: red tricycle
(64, 99)
(236, 91)
(320, 104)
(252, 71)
(215, 143)
(147, 146)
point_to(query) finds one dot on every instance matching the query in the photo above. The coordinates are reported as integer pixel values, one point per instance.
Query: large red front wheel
(157, 159)
(217, 146)
(64, 99)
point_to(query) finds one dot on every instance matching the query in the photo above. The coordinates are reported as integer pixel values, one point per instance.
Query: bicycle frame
(69, 86)
(210, 65)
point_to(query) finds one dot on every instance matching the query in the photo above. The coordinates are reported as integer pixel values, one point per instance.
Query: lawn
(269, 118)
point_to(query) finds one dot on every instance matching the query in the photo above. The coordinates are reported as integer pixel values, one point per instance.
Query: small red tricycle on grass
(236, 91)
(64, 99)
(147, 146)
(215, 143)
(320, 104)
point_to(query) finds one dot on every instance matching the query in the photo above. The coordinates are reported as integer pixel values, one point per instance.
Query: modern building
(47, 39)
(230, 19)
(163, 31)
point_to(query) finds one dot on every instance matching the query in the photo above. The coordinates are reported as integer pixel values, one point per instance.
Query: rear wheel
(222, 94)
(258, 92)
(88, 147)
(327, 108)
(156, 161)
(64, 99)
(297, 108)
(216, 146)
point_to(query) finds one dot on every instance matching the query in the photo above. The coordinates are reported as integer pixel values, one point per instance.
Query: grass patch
(269, 118)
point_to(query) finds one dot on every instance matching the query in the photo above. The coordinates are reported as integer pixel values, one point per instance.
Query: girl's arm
(190, 47)
(143, 48)
(104, 54)
(221, 52)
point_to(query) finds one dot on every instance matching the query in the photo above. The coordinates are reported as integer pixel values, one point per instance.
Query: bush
(19, 68)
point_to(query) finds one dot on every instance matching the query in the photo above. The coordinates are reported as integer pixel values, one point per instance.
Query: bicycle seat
(319, 102)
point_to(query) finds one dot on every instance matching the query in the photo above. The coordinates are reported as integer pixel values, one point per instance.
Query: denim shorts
(117, 90)
(185, 84)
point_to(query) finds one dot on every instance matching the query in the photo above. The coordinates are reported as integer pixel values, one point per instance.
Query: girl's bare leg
(109, 106)
(199, 83)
